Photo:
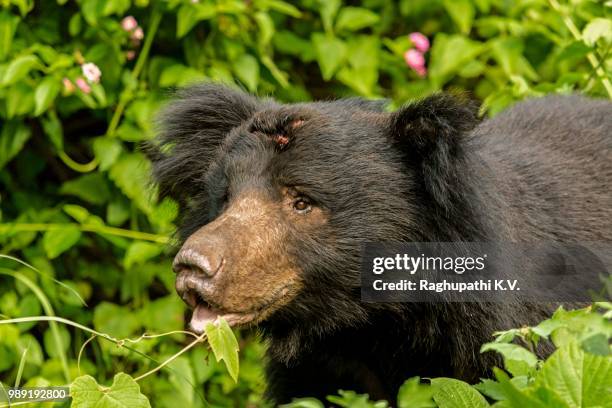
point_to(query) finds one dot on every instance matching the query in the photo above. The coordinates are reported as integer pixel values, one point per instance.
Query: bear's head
(277, 200)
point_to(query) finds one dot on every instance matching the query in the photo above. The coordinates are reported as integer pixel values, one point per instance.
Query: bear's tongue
(203, 314)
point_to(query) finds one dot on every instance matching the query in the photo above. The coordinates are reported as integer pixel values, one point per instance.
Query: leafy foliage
(80, 83)
(573, 376)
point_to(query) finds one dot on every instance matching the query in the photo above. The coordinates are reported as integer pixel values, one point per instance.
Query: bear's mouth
(205, 311)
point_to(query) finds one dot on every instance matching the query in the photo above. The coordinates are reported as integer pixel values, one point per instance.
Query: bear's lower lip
(205, 313)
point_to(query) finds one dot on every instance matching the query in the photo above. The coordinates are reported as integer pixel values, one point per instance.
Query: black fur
(428, 172)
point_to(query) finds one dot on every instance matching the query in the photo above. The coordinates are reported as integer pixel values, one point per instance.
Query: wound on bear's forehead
(277, 126)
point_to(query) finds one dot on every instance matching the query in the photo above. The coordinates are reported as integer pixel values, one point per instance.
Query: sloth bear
(277, 200)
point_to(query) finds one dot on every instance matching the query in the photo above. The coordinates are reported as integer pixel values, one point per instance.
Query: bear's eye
(302, 205)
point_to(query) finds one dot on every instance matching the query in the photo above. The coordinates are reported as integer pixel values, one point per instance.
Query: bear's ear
(430, 133)
(191, 128)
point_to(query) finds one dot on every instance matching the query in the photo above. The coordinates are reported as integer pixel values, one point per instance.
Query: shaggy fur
(428, 172)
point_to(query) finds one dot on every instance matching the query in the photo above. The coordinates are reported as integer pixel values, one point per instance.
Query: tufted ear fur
(191, 128)
(431, 133)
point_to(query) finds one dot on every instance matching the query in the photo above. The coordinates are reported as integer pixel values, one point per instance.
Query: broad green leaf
(91, 187)
(580, 379)
(59, 240)
(53, 129)
(190, 14)
(13, 137)
(117, 321)
(139, 252)
(451, 393)
(328, 10)
(518, 360)
(20, 100)
(131, 174)
(283, 7)
(289, 43)
(45, 94)
(508, 52)
(361, 74)
(246, 68)
(223, 344)
(330, 52)
(462, 12)
(123, 393)
(355, 18)
(304, 403)
(106, 150)
(80, 214)
(164, 314)
(8, 25)
(598, 28)
(19, 68)
(449, 54)
(50, 344)
(413, 394)
(179, 75)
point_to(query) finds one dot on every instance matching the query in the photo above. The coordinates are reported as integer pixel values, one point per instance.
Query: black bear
(278, 199)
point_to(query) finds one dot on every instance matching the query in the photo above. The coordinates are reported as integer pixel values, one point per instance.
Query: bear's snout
(207, 261)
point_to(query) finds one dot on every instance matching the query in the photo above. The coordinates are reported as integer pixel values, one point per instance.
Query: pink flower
(130, 55)
(137, 34)
(68, 85)
(129, 23)
(415, 60)
(91, 72)
(83, 85)
(420, 42)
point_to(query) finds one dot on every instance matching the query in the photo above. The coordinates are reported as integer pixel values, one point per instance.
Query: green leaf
(580, 379)
(117, 321)
(330, 52)
(451, 393)
(328, 10)
(50, 344)
(462, 13)
(223, 344)
(13, 137)
(449, 55)
(53, 129)
(45, 94)
(190, 14)
(508, 52)
(598, 28)
(355, 18)
(59, 240)
(517, 360)
(139, 252)
(284, 8)
(413, 394)
(19, 68)
(123, 393)
(246, 68)
(92, 188)
(8, 25)
(131, 174)
(106, 150)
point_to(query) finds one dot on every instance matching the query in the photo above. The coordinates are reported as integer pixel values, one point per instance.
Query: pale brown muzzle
(237, 267)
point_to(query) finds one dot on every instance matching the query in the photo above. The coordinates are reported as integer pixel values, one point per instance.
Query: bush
(80, 83)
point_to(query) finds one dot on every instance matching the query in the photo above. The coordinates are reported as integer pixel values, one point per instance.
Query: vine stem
(199, 339)
(119, 342)
(156, 16)
(98, 229)
(569, 23)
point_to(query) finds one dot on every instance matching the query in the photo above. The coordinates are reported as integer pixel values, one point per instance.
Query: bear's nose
(200, 262)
